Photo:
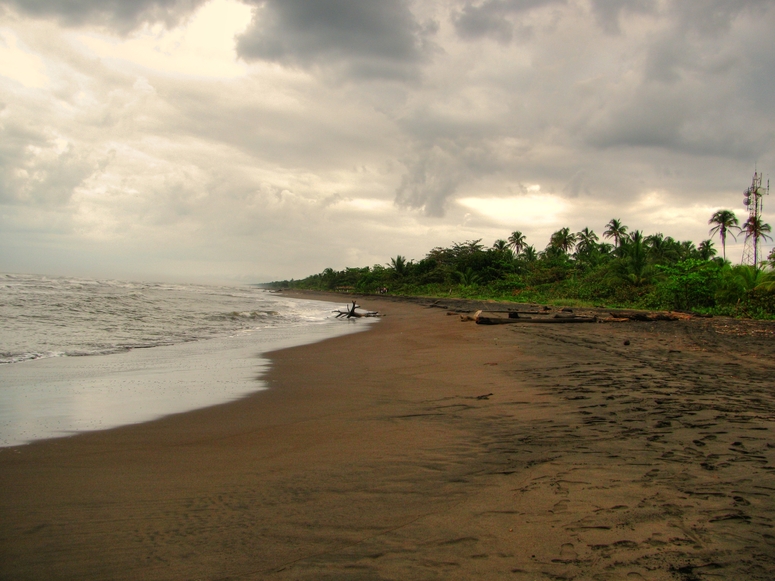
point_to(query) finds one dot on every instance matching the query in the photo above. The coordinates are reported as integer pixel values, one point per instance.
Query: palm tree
(687, 249)
(706, 250)
(517, 242)
(739, 280)
(529, 253)
(587, 241)
(767, 281)
(467, 247)
(658, 246)
(399, 264)
(755, 228)
(615, 230)
(605, 249)
(563, 240)
(634, 266)
(725, 221)
(473, 245)
(468, 277)
(502, 248)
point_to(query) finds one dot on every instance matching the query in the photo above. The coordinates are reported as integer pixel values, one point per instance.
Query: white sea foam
(84, 355)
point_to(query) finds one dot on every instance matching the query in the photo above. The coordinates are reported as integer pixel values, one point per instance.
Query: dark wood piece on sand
(350, 312)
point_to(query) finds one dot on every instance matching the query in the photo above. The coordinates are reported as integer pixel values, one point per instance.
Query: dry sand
(428, 448)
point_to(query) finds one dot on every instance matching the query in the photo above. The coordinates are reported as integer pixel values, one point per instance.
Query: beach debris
(351, 312)
(644, 316)
(494, 318)
(525, 313)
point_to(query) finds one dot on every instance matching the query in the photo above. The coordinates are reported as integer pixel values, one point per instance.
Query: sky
(247, 141)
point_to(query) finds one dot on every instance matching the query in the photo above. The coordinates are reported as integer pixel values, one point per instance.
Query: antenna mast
(753, 199)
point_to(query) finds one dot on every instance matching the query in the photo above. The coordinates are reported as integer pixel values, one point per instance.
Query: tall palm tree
(517, 242)
(587, 240)
(755, 228)
(725, 221)
(563, 240)
(615, 230)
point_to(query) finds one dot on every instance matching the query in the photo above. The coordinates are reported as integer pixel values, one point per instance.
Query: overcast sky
(249, 141)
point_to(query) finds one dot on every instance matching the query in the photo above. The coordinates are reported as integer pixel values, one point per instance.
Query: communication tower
(753, 198)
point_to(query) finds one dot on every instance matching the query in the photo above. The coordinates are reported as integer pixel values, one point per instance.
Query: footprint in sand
(568, 552)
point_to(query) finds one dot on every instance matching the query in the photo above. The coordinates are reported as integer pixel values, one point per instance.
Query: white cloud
(19, 64)
(523, 212)
(203, 47)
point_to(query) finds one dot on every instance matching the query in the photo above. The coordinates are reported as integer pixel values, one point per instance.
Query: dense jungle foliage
(633, 270)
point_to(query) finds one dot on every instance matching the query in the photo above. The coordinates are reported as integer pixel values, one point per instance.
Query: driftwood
(350, 312)
(514, 317)
(567, 316)
(623, 316)
(505, 321)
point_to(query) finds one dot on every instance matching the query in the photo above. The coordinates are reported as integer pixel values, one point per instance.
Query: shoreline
(55, 397)
(428, 448)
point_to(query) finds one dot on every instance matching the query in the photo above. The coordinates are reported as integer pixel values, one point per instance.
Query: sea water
(79, 355)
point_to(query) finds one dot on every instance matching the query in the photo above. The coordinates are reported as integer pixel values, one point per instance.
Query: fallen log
(482, 319)
(648, 316)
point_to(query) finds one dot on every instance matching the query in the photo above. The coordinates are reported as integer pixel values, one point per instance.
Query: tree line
(622, 268)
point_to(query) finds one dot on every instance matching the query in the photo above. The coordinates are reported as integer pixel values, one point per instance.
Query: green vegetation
(636, 271)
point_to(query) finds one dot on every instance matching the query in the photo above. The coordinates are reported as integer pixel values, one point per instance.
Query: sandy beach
(430, 448)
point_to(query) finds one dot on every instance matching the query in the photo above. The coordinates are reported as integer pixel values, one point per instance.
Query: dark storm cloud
(694, 87)
(431, 178)
(436, 170)
(368, 38)
(121, 15)
(701, 85)
(490, 19)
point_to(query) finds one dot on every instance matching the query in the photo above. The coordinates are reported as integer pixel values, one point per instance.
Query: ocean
(78, 355)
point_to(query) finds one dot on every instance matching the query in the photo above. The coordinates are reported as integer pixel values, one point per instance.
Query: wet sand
(430, 448)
